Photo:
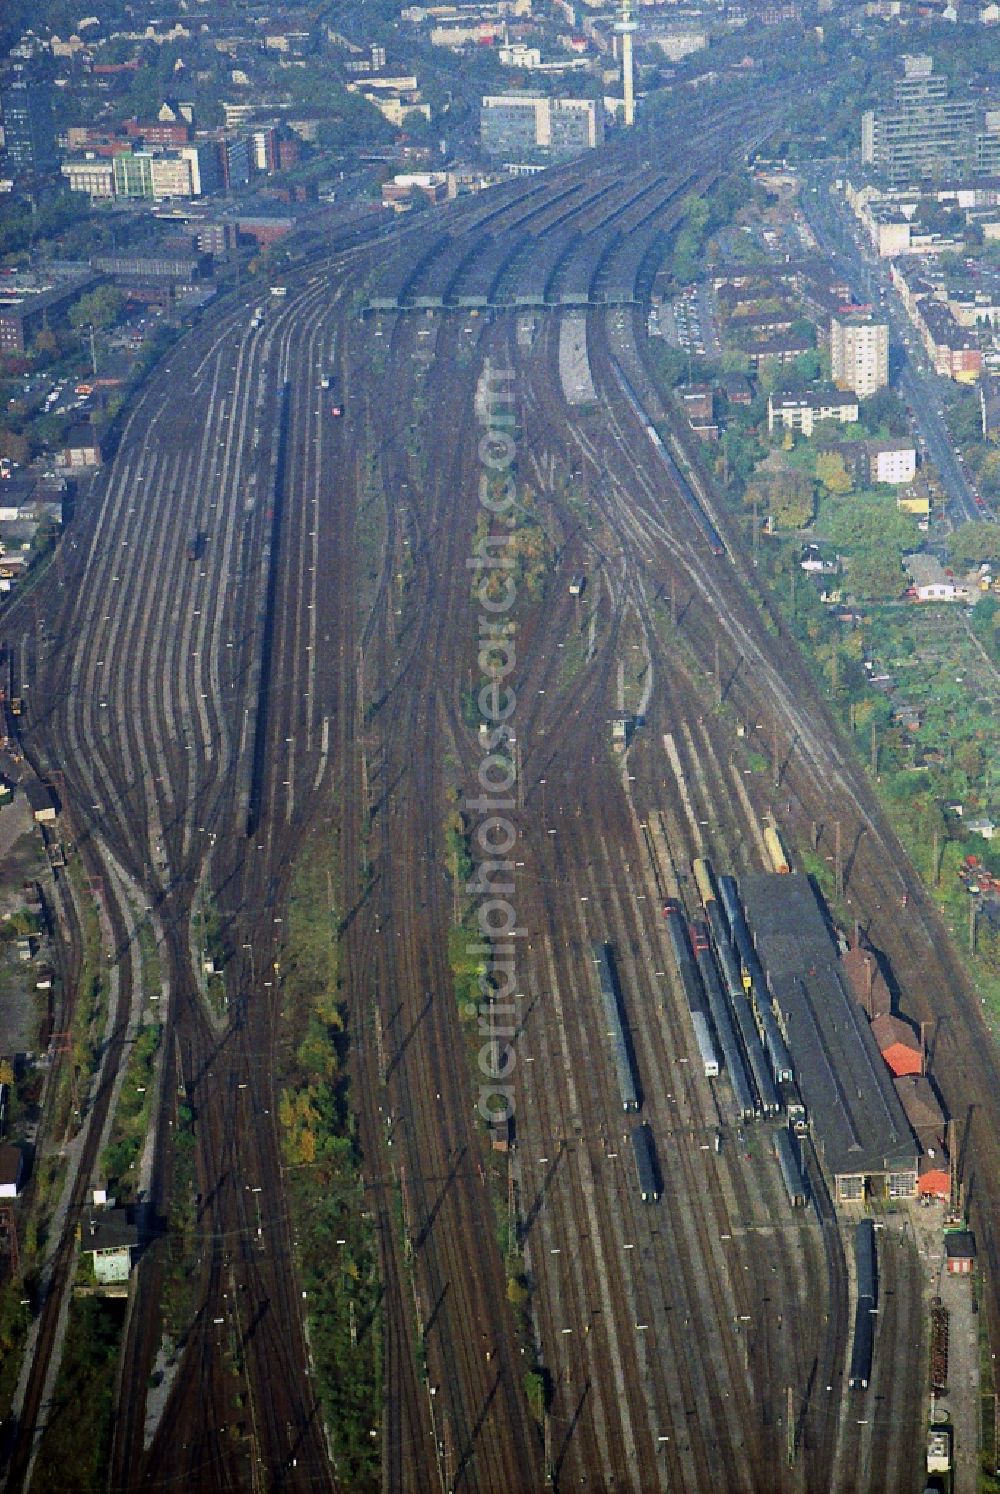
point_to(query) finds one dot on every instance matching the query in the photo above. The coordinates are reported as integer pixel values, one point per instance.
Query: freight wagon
(786, 1151)
(646, 1166)
(615, 1028)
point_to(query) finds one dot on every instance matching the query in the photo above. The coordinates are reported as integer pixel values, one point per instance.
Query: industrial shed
(857, 1122)
(864, 974)
(899, 1044)
(923, 1111)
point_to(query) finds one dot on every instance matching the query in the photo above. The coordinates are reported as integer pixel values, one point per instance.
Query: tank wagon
(866, 1266)
(786, 1151)
(615, 1027)
(680, 946)
(646, 1166)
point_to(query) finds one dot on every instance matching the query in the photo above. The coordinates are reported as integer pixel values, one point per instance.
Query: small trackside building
(857, 1122)
(11, 1170)
(112, 1239)
(960, 1252)
(899, 1044)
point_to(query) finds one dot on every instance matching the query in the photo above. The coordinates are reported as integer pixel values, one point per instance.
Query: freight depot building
(857, 1122)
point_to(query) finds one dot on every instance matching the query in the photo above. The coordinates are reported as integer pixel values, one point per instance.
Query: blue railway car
(862, 1349)
(732, 1057)
(680, 945)
(646, 1166)
(615, 1027)
(786, 1151)
(866, 1267)
(865, 1260)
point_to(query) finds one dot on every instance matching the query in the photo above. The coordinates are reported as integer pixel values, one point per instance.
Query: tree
(973, 543)
(831, 471)
(875, 575)
(101, 308)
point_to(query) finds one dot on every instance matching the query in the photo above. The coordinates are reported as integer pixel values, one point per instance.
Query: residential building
(892, 461)
(513, 124)
(29, 131)
(81, 448)
(264, 148)
(859, 353)
(26, 306)
(924, 133)
(803, 410)
(953, 350)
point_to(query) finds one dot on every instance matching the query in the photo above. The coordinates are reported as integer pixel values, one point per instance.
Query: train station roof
(855, 1114)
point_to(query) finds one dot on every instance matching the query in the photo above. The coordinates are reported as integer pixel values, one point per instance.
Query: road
(918, 386)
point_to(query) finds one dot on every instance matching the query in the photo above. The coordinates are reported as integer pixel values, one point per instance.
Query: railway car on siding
(646, 1165)
(866, 1271)
(707, 1051)
(702, 870)
(774, 1044)
(776, 853)
(616, 1029)
(865, 1260)
(757, 1060)
(754, 982)
(792, 1105)
(862, 1347)
(680, 947)
(722, 1020)
(756, 1057)
(786, 1151)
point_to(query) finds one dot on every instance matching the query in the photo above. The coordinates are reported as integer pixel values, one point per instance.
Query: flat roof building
(859, 353)
(857, 1122)
(517, 124)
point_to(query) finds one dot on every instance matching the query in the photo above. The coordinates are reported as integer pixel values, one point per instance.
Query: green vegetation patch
(336, 1245)
(75, 1445)
(121, 1155)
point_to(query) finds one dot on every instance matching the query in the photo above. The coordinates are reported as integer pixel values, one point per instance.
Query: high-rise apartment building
(859, 353)
(529, 124)
(924, 134)
(29, 132)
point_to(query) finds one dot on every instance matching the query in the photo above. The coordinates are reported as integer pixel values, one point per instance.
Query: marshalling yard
(272, 618)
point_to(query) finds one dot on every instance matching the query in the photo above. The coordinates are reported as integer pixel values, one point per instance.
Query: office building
(29, 132)
(859, 353)
(529, 124)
